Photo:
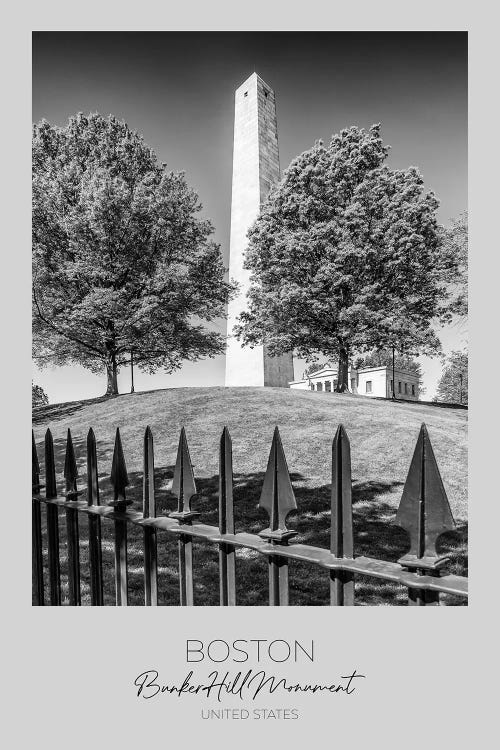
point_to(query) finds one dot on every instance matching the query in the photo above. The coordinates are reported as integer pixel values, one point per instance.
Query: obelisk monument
(256, 169)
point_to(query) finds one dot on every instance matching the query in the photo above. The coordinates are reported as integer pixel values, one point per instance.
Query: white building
(369, 381)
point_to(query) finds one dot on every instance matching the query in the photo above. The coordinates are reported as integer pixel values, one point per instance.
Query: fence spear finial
(424, 511)
(50, 466)
(341, 542)
(70, 467)
(119, 476)
(148, 484)
(183, 485)
(35, 465)
(277, 496)
(226, 509)
(92, 472)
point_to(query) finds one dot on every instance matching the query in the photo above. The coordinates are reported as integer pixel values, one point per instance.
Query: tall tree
(453, 384)
(122, 261)
(346, 257)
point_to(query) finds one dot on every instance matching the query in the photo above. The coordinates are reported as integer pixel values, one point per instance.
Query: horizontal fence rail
(424, 514)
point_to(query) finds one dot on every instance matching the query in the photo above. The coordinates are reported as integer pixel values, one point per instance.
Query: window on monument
(406, 387)
(319, 387)
(312, 386)
(399, 386)
(328, 386)
(413, 389)
(368, 386)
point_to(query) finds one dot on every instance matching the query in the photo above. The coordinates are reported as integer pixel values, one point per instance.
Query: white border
(68, 673)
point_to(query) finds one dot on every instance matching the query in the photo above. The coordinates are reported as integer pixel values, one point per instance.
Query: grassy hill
(382, 435)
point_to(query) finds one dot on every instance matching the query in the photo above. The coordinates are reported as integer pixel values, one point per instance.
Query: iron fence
(424, 513)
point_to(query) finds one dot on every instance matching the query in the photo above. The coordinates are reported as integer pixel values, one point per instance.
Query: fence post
(184, 487)
(278, 499)
(227, 555)
(149, 511)
(36, 528)
(341, 536)
(95, 549)
(52, 523)
(424, 513)
(119, 480)
(70, 475)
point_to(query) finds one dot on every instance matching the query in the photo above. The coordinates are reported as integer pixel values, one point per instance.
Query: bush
(38, 396)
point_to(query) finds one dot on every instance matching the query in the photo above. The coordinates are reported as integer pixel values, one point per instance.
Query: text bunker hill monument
(256, 169)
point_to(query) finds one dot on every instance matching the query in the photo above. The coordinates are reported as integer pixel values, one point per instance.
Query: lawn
(382, 436)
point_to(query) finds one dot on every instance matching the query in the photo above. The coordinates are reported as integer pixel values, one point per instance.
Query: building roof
(323, 371)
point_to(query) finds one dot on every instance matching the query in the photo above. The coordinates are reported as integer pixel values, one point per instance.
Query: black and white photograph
(249, 318)
(257, 242)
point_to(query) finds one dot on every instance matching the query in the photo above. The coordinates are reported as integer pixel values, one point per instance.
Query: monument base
(254, 367)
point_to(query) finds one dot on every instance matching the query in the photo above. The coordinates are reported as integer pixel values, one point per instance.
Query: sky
(177, 89)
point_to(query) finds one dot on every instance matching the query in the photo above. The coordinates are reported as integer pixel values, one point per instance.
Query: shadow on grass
(439, 404)
(374, 536)
(443, 405)
(53, 412)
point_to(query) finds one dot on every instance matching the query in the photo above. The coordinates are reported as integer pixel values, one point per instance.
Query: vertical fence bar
(278, 579)
(423, 598)
(186, 570)
(184, 487)
(424, 513)
(95, 547)
(278, 499)
(119, 480)
(227, 554)
(52, 523)
(36, 529)
(149, 511)
(341, 536)
(72, 531)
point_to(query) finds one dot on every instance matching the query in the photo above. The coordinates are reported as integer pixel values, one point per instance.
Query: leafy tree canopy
(122, 260)
(455, 243)
(453, 384)
(346, 257)
(383, 357)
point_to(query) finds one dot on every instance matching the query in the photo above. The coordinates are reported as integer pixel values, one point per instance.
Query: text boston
(238, 651)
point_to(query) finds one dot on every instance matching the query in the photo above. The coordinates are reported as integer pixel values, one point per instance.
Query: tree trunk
(112, 377)
(343, 371)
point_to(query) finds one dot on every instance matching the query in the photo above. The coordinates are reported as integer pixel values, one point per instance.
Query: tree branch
(62, 333)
